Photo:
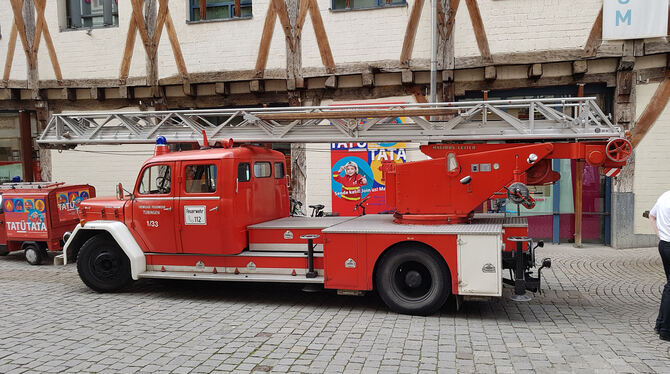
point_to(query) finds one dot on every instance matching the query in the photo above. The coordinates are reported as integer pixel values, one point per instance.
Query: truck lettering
(26, 226)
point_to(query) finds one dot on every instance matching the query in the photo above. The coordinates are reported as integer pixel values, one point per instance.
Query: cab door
(200, 207)
(154, 208)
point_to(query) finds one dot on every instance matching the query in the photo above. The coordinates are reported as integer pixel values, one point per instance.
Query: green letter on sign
(625, 18)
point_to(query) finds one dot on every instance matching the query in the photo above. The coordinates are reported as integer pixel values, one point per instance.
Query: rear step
(283, 278)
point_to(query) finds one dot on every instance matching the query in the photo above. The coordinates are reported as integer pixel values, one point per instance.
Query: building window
(92, 13)
(365, 4)
(217, 9)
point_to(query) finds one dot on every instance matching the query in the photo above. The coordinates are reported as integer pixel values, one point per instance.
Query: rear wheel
(413, 280)
(34, 254)
(102, 265)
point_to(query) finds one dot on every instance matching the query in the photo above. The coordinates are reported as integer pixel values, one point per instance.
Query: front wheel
(413, 280)
(102, 265)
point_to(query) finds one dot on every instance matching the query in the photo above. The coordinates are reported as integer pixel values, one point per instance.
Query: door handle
(168, 209)
(213, 209)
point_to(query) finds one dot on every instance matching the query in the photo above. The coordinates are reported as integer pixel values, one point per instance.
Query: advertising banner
(634, 19)
(357, 174)
(25, 216)
(68, 202)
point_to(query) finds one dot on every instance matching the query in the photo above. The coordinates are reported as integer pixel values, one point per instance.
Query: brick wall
(652, 174)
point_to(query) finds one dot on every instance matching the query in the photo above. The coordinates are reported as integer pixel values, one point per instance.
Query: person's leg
(663, 320)
(666, 267)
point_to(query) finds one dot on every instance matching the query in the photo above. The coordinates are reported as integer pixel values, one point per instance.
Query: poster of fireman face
(356, 170)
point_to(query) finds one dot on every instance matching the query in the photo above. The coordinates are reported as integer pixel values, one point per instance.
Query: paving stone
(592, 317)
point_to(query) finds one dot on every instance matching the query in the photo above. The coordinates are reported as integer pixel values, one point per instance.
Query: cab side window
(155, 180)
(200, 178)
(243, 172)
(279, 170)
(262, 169)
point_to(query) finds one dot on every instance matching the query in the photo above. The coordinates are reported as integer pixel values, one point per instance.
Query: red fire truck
(34, 216)
(222, 213)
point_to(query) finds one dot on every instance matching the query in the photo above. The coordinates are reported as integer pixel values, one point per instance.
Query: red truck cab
(199, 202)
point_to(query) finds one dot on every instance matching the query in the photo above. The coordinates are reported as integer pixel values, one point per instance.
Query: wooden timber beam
(480, 32)
(595, 37)
(656, 106)
(451, 17)
(137, 24)
(43, 28)
(266, 38)
(17, 8)
(282, 13)
(410, 33)
(278, 8)
(321, 37)
(11, 45)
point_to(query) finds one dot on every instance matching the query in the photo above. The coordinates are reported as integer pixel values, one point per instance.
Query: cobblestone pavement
(596, 315)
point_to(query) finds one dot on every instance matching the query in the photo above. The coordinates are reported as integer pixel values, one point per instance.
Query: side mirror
(540, 243)
(119, 191)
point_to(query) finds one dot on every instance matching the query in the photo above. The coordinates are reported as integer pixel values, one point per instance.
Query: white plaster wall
(87, 55)
(220, 45)
(102, 166)
(652, 161)
(355, 36)
(527, 25)
(19, 67)
(318, 164)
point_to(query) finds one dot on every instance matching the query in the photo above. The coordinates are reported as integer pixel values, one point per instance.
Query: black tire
(413, 280)
(34, 254)
(102, 265)
(3, 250)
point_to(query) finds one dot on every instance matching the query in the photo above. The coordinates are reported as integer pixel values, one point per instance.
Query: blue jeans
(663, 320)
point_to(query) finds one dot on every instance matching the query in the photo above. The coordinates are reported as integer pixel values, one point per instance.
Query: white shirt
(661, 211)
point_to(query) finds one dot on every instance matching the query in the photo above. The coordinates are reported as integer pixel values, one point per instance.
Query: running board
(281, 278)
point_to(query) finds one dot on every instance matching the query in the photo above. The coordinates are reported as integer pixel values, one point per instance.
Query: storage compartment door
(479, 265)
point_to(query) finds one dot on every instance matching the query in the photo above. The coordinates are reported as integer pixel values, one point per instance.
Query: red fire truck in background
(35, 216)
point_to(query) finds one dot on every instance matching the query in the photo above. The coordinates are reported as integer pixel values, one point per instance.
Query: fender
(122, 236)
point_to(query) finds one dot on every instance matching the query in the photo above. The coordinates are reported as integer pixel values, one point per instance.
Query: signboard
(25, 217)
(357, 174)
(195, 215)
(634, 19)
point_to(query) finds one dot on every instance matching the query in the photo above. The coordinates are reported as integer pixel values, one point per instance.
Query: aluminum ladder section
(534, 120)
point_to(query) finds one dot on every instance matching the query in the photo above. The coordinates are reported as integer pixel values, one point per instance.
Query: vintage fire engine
(34, 216)
(221, 213)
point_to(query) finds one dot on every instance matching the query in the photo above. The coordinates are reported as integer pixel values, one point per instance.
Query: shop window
(262, 169)
(365, 4)
(202, 10)
(200, 178)
(91, 13)
(155, 180)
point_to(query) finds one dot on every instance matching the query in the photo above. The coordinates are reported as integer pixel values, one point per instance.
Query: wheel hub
(105, 265)
(413, 279)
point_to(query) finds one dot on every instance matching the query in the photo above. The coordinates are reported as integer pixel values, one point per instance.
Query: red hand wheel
(618, 150)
